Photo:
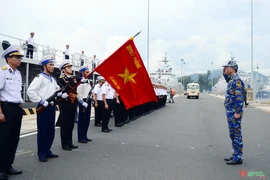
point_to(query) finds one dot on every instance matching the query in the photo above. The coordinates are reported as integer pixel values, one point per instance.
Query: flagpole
(137, 34)
(148, 14)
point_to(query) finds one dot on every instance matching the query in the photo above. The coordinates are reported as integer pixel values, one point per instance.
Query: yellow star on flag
(128, 76)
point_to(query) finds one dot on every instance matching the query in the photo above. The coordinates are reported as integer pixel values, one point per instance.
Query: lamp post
(212, 84)
(184, 75)
(251, 26)
(148, 15)
(182, 61)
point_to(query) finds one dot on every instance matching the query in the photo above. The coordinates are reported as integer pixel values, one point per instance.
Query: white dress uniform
(10, 85)
(109, 93)
(83, 91)
(41, 88)
(98, 110)
(11, 110)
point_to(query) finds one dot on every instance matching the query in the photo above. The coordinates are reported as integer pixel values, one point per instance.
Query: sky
(202, 32)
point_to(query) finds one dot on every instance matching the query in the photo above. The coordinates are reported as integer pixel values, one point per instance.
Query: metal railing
(41, 51)
(24, 92)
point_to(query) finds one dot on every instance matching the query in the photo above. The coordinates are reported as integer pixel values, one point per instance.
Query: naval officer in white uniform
(11, 111)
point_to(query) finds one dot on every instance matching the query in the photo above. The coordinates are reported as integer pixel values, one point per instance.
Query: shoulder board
(4, 67)
(62, 76)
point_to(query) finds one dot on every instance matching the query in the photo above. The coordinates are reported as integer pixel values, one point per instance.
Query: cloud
(200, 32)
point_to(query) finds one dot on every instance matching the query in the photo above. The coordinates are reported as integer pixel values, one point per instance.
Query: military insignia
(4, 67)
(238, 83)
(61, 76)
(75, 81)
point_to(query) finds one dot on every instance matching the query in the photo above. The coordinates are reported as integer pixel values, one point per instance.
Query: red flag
(126, 73)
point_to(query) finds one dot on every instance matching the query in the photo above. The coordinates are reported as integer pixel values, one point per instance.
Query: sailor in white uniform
(41, 88)
(11, 111)
(99, 104)
(84, 99)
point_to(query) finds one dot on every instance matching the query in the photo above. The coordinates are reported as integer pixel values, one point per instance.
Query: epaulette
(62, 76)
(4, 67)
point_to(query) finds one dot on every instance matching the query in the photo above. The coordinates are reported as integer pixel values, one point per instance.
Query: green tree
(203, 81)
(186, 80)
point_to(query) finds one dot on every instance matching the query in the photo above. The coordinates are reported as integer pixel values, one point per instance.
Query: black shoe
(89, 140)
(67, 148)
(73, 146)
(109, 129)
(118, 125)
(13, 171)
(105, 131)
(228, 159)
(98, 125)
(3, 176)
(233, 162)
(52, 156)
(42, 159)
(82, 141)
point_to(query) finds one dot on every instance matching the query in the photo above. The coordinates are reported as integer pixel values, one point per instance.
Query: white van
(193, 90)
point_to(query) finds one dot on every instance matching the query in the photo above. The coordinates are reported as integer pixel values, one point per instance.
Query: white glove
(51, 103)
(83, 80)
(59, 94)
(64, 95)
(85, 104)
(44, 103)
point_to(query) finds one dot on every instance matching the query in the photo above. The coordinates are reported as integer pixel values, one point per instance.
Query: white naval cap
(46, 60)
(100, 78)
(83, 68)
(12, 50)
(64, 64)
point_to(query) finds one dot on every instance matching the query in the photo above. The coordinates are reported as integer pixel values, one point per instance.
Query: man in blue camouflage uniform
(234, 110)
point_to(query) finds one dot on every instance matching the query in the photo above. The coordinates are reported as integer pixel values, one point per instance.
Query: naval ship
(164, 75)
(30, 67)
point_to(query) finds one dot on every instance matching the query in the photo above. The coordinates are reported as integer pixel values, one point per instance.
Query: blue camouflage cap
(232, 64)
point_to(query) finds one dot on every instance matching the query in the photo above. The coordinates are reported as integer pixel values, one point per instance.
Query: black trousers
(67, 111)
(99, 112)
(107, 114)
(30, 51)
(119, 112)
(9, 133)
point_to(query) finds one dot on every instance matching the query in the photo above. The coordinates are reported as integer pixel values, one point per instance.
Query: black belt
(11, 104)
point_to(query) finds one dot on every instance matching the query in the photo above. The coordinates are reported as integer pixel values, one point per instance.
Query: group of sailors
(65, 92)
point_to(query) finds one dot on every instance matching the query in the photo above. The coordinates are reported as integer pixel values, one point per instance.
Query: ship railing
(24, 92)
(41, 51)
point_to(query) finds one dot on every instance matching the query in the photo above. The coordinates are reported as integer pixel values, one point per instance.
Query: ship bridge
(30, 67)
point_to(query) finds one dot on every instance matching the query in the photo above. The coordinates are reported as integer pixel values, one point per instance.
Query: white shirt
(10, 85)
(83, 90)
(98, 92)
(82, 57)
(42, 87)
(108, 91)
(67, 52)
(30, 40)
